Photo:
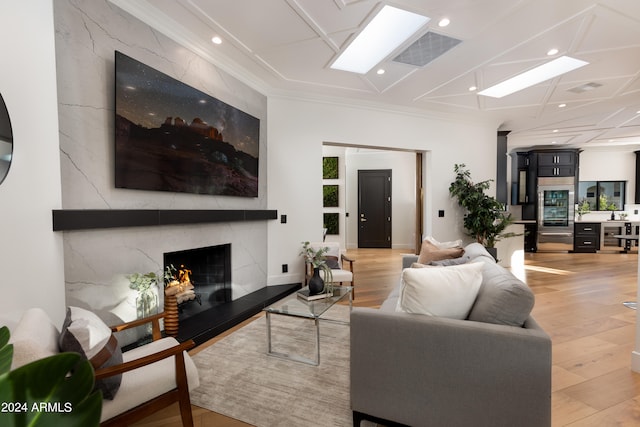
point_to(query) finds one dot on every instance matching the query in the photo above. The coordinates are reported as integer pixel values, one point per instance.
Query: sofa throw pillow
(416, 265)
(85, 333)
(332, 262)
(444, 245)
(449, 262)
(440, 291)
(430, 252)
(503, 299)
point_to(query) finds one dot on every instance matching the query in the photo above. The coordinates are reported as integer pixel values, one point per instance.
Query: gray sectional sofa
(492, 369)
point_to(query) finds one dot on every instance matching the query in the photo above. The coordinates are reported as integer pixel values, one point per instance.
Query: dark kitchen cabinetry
(530, 240)
(586, 237)
(524, 174)
(557, 163)
(528, 166)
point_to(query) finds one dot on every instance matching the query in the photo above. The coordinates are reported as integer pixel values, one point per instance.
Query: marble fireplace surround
(103, 246)
(110, 232)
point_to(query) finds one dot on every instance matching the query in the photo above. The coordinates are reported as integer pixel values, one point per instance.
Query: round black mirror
(6, 140)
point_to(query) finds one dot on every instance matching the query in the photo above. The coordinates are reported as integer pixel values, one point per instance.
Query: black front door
(374, 208)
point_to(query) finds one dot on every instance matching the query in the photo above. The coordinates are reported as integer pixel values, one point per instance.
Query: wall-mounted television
(172, 137)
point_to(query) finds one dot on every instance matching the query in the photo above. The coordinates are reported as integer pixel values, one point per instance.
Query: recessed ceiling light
(387, 30)
(554, 142)
(380, 71)
(552, 52)
(547, 71)
(444, 22)
(555, 130)
(472, 88)
(562, 105)
(216, 40)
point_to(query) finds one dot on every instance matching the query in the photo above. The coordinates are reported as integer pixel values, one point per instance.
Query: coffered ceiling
(285, 47)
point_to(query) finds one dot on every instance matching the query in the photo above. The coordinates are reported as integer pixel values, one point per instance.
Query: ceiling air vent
(585, 87)
(426, 49)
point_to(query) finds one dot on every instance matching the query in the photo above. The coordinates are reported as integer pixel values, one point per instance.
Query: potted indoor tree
(485, 218)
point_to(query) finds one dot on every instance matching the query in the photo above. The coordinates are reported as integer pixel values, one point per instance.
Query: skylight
(544, 72)
(387, 30)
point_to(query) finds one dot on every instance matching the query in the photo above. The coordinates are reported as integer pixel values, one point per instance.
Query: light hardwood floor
(578, 302)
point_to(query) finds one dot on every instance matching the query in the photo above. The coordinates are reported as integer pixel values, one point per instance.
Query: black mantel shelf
(86, 219)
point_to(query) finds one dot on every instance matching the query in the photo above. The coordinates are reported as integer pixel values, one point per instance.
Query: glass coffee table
(295, 306)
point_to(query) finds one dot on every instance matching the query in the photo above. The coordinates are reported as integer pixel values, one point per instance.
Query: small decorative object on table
(317, 259)
(306, 295)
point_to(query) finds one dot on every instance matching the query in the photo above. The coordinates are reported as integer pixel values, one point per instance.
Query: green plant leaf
(484, 218)
(53, 391)
(6, 350)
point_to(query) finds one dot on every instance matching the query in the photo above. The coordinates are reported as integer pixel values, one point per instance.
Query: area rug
(238, 379)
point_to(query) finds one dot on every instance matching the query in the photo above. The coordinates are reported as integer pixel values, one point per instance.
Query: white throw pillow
(440, 291)
(444, 245)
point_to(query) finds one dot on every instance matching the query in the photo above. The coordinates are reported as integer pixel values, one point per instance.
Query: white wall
(610, 165)
(296, 132)
(31, 258)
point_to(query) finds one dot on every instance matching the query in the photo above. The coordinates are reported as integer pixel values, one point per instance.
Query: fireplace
(214, 311)
(209, 271)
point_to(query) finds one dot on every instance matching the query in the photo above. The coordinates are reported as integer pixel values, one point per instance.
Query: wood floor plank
(625, 414)
(578, 302)
(605, 391)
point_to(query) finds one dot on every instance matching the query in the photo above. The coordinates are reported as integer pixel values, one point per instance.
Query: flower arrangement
(142, 282)
(318, 259)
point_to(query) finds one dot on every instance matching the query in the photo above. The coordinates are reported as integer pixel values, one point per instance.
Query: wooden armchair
(153, 375)
(340, 272)
(149, 380)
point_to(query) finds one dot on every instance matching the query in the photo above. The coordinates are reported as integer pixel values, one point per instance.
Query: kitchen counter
(605, 236)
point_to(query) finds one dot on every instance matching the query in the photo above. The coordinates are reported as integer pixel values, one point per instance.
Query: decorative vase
(171, 321)
(146, 304)
(316, 284)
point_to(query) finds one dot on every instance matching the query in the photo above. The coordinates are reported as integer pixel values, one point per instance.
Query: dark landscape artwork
(172, 137)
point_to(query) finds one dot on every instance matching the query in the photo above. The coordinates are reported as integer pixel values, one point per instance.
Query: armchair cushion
(334, 260)
(143, 384)
(85, 333)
